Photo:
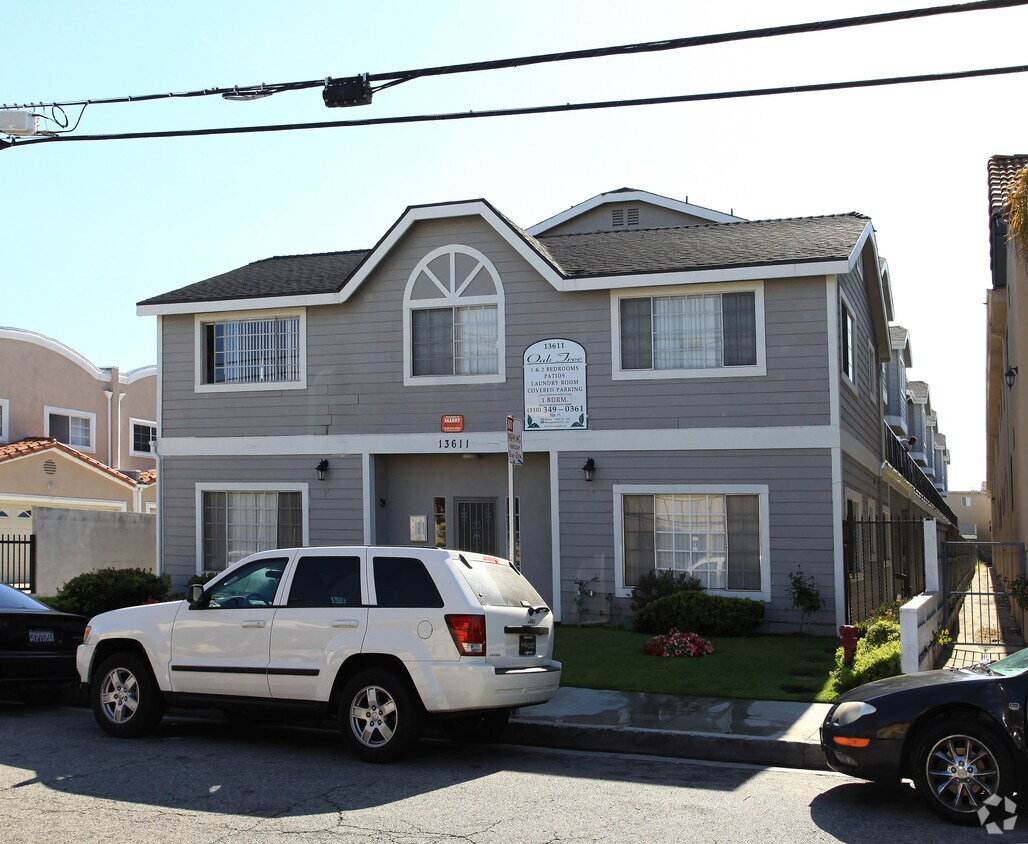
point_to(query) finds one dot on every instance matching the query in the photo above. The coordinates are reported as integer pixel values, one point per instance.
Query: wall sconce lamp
(589, 468)
(1010, 375)
(322, 469)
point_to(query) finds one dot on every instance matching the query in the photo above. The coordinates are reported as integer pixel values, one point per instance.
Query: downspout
(110, 395)
(117, 434)
(159, 566)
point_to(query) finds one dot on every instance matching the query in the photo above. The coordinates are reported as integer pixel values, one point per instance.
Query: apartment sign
(555, 386)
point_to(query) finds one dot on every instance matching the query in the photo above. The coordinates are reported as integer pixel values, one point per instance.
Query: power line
(529, 110)
(392, 78)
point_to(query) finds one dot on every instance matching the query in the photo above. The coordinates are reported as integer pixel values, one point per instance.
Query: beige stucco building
(1007, 390)
(974, 513)
(72, 435)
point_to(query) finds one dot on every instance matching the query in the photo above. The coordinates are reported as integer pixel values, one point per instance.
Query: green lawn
(754, 667)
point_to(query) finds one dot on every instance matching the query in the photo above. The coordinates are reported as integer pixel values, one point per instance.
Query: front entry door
(476, 525)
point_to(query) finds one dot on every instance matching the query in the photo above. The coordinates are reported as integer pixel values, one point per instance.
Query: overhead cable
(392, 78)
(529, 110)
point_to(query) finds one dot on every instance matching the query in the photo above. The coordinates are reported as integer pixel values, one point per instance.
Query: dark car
(959, 734)
(37, 646)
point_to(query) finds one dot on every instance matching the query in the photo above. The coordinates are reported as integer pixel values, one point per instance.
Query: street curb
(754, 750)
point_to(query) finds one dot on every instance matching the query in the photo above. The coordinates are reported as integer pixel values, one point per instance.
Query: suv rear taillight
(468, 633)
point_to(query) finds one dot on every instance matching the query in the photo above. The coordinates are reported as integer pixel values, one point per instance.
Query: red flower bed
(674, 643)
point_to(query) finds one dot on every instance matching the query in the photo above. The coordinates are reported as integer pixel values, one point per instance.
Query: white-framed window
(883, 376)
(688, 332)
(236, 520)
(251, 350)
(846, 332)
(5, 420)
(76, 428)
(143, 431)
(717, 534)
(453, 313)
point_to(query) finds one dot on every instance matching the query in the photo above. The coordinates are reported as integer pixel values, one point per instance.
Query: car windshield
(1013, 664)
(12, 599)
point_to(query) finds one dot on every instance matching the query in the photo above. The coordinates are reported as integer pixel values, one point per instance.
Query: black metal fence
(884, 562)
(981, 580)
(18, 562)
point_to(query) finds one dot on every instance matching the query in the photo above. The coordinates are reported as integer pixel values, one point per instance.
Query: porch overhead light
(322, 469)
(1010, 375)
(589, 468)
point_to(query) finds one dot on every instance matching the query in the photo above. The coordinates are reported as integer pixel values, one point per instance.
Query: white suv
(379, 636)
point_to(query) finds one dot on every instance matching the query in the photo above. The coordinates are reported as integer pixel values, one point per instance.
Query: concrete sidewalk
(760, 732)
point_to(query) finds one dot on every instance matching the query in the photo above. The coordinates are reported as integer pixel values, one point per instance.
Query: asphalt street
(207, 780)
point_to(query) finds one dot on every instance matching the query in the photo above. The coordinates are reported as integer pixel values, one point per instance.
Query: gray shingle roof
(918, 390)
(717, 245)
(282, 276)
(674, 249)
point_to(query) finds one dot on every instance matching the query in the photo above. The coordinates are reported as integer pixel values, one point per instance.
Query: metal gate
(981, 580)
(884, 562)
(476, 525)
(18, 562)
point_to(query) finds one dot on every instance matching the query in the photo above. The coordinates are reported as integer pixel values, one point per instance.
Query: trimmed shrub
(659, 584)
(98, 591)
(706, 614)
(878, 655)
(889, 611)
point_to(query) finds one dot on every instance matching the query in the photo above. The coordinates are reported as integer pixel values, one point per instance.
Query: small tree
(1017, 212)
(805, 595)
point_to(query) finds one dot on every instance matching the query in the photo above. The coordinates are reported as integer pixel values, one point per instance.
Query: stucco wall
(71, 542)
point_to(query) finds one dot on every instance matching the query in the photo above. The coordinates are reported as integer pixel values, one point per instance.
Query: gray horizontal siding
(860, 411)
(800, 502)
(650, 217)
(335, 505)
(355, 362)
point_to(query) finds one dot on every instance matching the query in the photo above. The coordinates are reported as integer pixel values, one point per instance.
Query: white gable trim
(481, 209)
(55, 452)
(633, 196)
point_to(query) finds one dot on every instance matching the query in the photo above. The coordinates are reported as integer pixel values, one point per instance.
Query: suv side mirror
(194, 594)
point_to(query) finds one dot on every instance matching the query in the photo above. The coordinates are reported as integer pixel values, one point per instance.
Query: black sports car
(37, 646)
(959, 734)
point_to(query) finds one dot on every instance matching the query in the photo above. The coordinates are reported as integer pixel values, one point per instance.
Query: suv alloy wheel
(125, 699)
(378, 716)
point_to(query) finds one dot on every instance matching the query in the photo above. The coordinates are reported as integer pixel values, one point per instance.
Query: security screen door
(476, 525)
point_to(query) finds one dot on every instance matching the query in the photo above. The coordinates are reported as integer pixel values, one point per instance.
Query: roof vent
(617, 217)
(50, 468)
(633, 216)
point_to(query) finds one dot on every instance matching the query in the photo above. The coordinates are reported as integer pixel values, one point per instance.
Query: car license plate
(526, 645)
(41, 637)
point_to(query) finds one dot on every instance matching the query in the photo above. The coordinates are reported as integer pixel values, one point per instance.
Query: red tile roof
(38, 445)
(1002, 171)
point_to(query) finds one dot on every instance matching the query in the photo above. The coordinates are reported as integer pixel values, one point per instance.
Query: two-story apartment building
(72, 435)
(700, 393)
(1006, 394)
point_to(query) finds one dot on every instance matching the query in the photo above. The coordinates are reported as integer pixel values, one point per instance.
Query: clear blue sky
(89, 229)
